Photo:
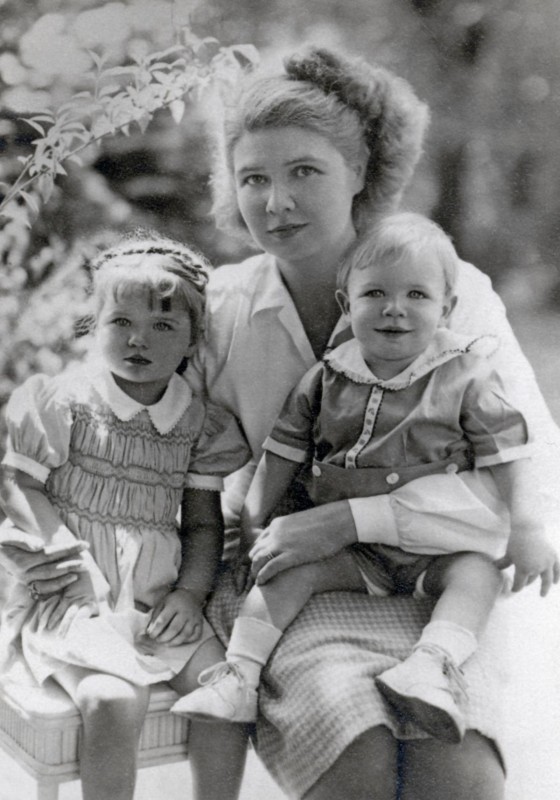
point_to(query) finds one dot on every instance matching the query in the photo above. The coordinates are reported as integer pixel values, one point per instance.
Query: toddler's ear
(343, 302)
(448, 306)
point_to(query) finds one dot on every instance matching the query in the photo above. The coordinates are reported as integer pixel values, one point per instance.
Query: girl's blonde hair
(178, 277)
(398, 236)
(362, 109)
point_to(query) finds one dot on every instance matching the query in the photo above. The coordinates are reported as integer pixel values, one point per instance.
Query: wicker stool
(40, 729)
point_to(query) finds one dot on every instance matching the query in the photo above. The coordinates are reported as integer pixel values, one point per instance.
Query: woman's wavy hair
(362, 109)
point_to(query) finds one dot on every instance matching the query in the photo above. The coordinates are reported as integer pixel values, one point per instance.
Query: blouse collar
(164, 414)
(347, 359)
(271, 294)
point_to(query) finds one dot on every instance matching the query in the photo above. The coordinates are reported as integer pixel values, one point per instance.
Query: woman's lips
(285, 231)
(138, 360)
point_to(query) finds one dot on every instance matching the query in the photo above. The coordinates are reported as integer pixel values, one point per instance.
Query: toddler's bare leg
(279, 601)
(229, 691)
(467, 585)
(113, 713)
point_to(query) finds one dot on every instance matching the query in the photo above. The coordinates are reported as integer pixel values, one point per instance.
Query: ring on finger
(270, 556)
(33, 591)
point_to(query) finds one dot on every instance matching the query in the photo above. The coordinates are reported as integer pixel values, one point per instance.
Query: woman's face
(295, 192)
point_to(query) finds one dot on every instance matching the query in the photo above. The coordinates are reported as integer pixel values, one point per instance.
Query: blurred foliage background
(490, 72)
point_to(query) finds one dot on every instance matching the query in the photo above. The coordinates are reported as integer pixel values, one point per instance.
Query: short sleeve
(495, 427)
(220, 450)
(292, 434)
(39, 426)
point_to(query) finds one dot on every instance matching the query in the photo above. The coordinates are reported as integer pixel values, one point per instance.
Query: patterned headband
(196, 272)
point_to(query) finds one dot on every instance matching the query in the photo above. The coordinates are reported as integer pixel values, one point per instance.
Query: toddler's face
(395, 310)
(142, 340)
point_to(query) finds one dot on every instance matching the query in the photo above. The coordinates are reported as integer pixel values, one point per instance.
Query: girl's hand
(177, 619)
(533, 557)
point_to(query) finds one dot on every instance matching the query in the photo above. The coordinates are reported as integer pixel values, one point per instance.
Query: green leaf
(246, 54)
(177, 109)
(164, 53)
(45, 186)
(35, 125)
(31, 201)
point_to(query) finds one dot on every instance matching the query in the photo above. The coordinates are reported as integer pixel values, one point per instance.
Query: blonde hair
(178, 277)
(362, 109)
(397, 236)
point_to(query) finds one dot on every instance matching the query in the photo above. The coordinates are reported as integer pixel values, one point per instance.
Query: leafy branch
(122, 96)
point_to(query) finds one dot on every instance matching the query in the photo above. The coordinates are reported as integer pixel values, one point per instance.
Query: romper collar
(347, 359)
(164, 414)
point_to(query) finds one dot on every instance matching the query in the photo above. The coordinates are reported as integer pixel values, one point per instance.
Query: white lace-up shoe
(429, 689)
(224, 694)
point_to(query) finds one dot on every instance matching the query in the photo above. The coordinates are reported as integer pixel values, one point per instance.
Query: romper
(359, 436)
(115, 472)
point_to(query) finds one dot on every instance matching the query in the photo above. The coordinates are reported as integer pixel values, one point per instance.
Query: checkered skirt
(318, 694)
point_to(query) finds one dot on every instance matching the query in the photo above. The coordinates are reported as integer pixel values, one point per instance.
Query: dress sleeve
(497, 430)
(292, 435)
(39, 425)
(220, 450)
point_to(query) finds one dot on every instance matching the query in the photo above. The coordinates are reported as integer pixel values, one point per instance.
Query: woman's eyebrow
(303, 159)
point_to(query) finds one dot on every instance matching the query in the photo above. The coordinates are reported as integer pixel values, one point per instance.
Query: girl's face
(295, 192)
(395, 309)
(141, 343)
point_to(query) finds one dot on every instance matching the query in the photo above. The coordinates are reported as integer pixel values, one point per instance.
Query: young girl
(108, 453)
(403, 399)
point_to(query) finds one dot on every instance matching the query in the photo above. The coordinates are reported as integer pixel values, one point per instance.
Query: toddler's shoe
(224, 694)
(429, 689)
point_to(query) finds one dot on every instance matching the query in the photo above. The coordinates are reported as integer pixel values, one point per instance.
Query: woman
(309, 157)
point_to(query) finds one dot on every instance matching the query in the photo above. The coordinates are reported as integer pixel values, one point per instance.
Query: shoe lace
(218, 671)
(454, 674)
(457, 682)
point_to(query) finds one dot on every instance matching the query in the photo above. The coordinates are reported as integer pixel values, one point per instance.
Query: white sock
(252, 641)
(455, 641)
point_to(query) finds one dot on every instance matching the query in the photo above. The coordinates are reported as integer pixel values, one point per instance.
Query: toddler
(108, 453)
(403, 399)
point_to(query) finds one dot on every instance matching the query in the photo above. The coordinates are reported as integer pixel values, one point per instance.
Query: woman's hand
(243, 578)
(48, 571)
(177, 619)
(301, 538)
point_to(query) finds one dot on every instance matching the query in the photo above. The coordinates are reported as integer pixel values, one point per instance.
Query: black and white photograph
(279, 400)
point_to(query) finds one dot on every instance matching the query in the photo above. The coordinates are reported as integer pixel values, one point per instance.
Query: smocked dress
(317, 693)
(115, 472)
(356, 435)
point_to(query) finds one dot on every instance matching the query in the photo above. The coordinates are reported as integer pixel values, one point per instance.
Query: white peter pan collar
(347, 359)
(164, 414)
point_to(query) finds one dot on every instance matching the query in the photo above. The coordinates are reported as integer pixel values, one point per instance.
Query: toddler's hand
(533, 557)
(177, 619)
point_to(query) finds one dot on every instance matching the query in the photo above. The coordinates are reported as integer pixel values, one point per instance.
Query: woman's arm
(25, 503)
(178, 617)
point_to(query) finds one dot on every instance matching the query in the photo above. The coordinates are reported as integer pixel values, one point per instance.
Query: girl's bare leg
(113, 713)
(434, 770)
(366, 770)
(217, 750)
